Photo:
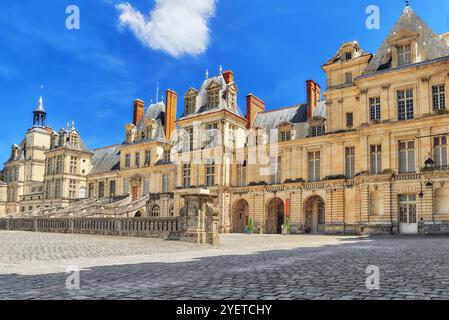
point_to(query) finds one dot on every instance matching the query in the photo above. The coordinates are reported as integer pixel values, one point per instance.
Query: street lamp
(429, 164)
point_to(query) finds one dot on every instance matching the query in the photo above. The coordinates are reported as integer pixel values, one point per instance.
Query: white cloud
(178, 27)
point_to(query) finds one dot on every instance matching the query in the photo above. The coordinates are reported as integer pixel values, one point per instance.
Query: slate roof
(105, 160)
(81, 144)
(431, 45)
(157, 113)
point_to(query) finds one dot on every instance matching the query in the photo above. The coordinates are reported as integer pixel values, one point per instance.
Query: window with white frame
(314, 166)
(374, 106)
(167, 156)
(439, 97)
(211, 134)
(440, 150)
(404, 54)
(188, 140)
(405, 104)
(213, 99)
(210, 173)
(241, 174)
(286, 135)
(146, 186)
(407, 157)
(165, 183)
(73, 165)
(72, 189)
(186, 175)
(317, 131)
(350, 162)
(376, 159)
(275, 170)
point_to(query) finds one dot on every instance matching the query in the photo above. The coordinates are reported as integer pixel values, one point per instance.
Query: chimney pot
(228, 76)
(139, 110)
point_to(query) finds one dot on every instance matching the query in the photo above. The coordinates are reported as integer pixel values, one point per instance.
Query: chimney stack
(228, 76)
(313, 96)
(170, 113)
(253, 106)
(139, 111)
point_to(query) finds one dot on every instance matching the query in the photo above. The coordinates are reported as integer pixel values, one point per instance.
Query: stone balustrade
(132, 227)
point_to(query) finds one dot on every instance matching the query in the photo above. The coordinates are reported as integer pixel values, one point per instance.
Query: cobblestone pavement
(33, 266)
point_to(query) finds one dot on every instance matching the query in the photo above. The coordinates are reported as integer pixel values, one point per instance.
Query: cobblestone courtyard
(33, 266)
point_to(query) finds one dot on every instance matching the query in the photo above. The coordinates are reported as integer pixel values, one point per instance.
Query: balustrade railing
(155, 227)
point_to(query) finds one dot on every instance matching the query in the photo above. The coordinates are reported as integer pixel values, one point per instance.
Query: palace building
(367, 155)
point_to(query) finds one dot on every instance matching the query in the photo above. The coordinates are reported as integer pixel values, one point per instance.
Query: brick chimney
(228, 76)
(313, 96)
(253, 106)
(170, 113)
(139, 111)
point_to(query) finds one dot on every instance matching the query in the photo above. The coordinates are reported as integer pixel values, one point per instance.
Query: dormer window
(190, 104)
(286, 136)
(213, 96)
(404, 54)
(348, 56)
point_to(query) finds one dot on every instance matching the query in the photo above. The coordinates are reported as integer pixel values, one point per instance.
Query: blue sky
(92, 75)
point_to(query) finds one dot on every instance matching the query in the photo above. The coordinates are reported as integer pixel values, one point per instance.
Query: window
(190, 104)
(213, 99)
(407, 209)
(439, 97)
(188, 140)
(146, 186)
(241, 174)
(126, 187)
(276, 170)
(58, 193)
(211, 134)
(59, 165)
(156, 211)
(127, 160)
(317, 131)
(171, 212)
(186, 171)
(165, 183)
(348, 77)
(112, 187)
(167, 156)
(404, 55)
(286, 135)
(210, 173)
(348, 56)
(440, 144)
(147, 157)
(374, 106)
(314, 159)
(350, 162)
(101, 190)
(405, 104)
(376, 159)
(350, 120)
(137, 159)
(91, 190)
(72, 189)
(407, 157)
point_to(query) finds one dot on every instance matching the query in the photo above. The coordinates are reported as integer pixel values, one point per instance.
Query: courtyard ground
(34, 265)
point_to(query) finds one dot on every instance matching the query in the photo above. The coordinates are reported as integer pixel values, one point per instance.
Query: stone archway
(314, 215)
(240, 216)
(138, 214)
(275, 216)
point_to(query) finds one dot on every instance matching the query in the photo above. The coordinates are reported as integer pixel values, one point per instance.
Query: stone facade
(371, 156)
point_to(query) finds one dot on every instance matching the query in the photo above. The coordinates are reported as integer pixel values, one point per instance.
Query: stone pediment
(402, 37)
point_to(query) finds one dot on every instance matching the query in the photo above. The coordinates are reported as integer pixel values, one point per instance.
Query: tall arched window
(156, 211)
(172, 211)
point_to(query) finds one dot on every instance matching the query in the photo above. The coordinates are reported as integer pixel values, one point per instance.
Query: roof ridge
(107, 147)
(284, 108)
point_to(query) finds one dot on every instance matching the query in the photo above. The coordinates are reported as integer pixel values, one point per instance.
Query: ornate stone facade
(371, 156)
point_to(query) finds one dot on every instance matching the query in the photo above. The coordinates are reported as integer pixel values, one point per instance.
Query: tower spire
(407, 3)
(39, 114)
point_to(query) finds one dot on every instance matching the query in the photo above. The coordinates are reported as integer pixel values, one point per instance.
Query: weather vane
(407, 3)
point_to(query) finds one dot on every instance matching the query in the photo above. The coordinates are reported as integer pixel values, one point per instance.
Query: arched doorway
(315, 215)
(275, 216)
(240, 216)
(138, 215)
